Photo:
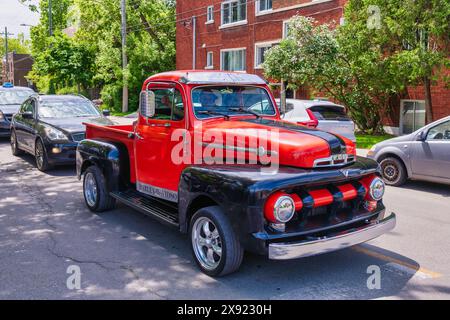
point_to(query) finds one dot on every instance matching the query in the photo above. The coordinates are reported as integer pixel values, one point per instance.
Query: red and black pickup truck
(210, 156)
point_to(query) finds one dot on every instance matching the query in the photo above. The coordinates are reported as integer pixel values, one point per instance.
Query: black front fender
(111, 157)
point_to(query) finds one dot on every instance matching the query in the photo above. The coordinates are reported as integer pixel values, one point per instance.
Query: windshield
(67, 109)
(231, 100)
(14, 96)
(327, 112)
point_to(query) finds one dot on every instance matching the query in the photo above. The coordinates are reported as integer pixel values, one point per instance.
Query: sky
(13, 13)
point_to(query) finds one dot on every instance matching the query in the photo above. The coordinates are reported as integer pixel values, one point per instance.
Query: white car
(323, 115)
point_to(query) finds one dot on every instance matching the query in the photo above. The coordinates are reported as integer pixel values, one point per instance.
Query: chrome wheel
(40, 155)
(207, 243)
(390, 172)
(90, 189)
(13, 142)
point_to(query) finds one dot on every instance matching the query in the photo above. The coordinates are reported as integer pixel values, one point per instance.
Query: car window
(327, 112)
(440, 132)
(212, 101)
(14, 97)
(168, 104)
(27, 107)
(67, 108)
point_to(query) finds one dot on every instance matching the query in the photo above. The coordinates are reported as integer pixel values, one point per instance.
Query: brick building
(19, 66)
(234, 34)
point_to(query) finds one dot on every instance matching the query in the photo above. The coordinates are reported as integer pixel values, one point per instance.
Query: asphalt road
(45, 228)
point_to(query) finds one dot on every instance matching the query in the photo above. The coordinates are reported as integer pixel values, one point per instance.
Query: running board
(164, 212)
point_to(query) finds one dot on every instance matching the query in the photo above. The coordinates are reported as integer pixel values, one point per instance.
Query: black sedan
(50, 127)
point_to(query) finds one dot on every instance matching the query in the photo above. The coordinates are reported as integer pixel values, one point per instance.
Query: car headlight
(55, 134)
(280, 207)
(376, 189)
(2, 116)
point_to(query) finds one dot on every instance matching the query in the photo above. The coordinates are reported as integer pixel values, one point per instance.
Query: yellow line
(383, 257)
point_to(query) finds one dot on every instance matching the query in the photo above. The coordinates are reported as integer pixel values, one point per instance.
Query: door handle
(165, 125)
(133, 135)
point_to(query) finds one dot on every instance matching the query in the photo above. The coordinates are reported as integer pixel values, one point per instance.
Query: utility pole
(6, 34)
(194, 41)
(50, 18)
(124, 56)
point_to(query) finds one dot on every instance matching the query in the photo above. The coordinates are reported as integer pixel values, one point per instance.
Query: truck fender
(111, 157)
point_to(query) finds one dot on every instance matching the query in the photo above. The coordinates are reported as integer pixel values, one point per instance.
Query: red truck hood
(295, 145)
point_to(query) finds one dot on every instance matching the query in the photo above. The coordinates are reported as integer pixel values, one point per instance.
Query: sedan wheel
(41, 157)
(393, 171)
(14, 147)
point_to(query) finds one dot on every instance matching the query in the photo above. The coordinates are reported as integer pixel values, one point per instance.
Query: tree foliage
(91, 59)
(383, 47)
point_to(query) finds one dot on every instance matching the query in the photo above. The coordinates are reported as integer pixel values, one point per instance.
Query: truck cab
(210, 156)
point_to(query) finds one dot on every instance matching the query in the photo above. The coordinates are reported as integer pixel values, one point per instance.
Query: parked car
(322, 197)
(323, 115)
(11, 98)
(421, 155)
(50, 127)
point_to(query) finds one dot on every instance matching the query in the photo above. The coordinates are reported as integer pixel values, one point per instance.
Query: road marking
(403, 265)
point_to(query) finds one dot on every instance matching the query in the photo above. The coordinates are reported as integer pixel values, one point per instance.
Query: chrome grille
(334, 161)
(77, 137)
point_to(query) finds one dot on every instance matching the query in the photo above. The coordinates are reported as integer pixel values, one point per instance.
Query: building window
(260, 51)
(209, 60)
(234, 11)
(286, 28)
(233, 60)
(263, 5)
(210, 14)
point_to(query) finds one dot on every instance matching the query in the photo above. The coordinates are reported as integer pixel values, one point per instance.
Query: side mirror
(422, 136)
(106, 113)
(147, 103)
(27, 115)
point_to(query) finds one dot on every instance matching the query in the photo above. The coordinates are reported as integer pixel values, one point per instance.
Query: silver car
(421, 155)
(323, 115)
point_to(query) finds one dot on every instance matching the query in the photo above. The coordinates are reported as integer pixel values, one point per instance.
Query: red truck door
(157, 174)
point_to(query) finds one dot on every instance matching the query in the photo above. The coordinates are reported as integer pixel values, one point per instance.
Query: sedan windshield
(14, 97)
(69, 108)
(231, 100)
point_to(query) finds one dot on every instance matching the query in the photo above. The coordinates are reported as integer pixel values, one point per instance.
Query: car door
(157, 173)
(22, 125)
(431, 157)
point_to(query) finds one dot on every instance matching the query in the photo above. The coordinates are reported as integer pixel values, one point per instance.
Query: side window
(169, 105)
(26, 107)
(439, 132)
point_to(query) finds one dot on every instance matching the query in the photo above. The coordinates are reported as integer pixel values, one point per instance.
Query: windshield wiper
(242, 110)
(214, 113)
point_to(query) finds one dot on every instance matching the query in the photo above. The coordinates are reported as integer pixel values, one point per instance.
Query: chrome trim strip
(157, 192)
(334, 158)
(293, 250)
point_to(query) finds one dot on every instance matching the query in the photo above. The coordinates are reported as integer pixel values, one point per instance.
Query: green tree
(383, 47)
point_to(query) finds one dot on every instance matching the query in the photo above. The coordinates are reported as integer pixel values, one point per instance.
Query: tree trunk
(428, 102)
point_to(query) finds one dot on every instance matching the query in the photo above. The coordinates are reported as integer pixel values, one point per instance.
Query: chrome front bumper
(293, 250)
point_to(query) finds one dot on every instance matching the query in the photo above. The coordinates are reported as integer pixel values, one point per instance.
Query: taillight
(280, 207)
(312, 123)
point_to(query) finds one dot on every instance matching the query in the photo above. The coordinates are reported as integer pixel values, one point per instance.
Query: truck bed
(115, 133)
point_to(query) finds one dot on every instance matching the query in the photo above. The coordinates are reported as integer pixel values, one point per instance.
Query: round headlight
(376, 189)
(284, 209)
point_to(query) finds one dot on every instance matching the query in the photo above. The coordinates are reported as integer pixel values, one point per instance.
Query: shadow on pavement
(437, 188)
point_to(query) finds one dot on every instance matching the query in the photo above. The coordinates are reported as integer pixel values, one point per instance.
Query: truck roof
(208, 77)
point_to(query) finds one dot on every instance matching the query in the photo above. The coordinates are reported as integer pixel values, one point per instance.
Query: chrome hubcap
(13, 141)
(390, 172)
(206, 243)
(39, 155)
(90, 189)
